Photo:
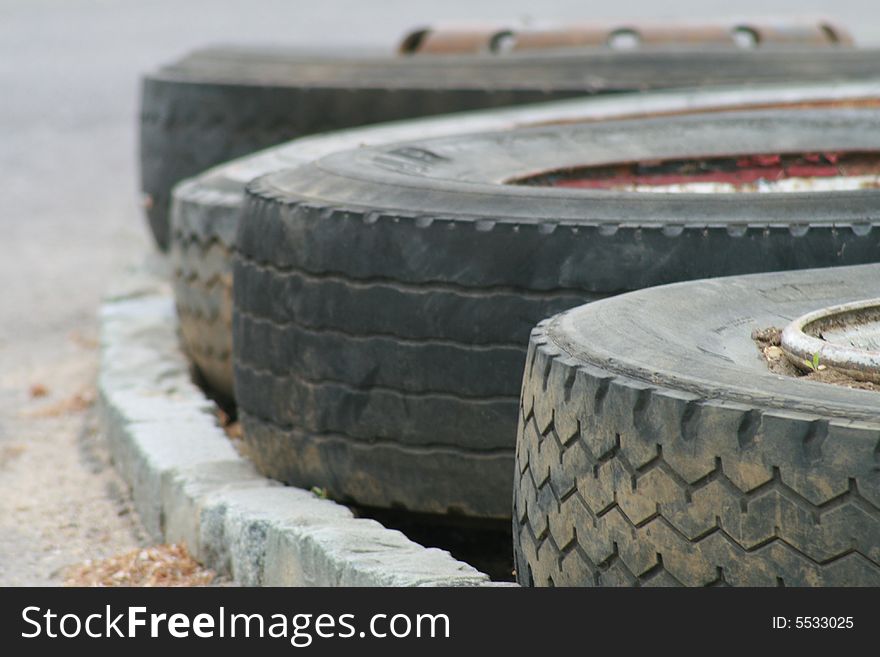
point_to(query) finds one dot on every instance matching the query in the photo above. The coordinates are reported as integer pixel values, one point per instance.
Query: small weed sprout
(814, 363)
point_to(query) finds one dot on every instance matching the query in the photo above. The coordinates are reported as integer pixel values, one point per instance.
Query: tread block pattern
(202, 284)
(378, 473)
(595, 256)
(384, 370)
(620, 482)
(291, 317)
(417, 366)
(375, 413)
(426, 311)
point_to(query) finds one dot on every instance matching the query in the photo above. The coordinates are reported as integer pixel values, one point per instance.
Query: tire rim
(754, 173)
(845, 339)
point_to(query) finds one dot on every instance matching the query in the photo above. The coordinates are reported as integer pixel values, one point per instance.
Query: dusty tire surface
(220, 103)
(656, 448)
(201, 270)
(351, 369)
(227, 121)
(206, 210)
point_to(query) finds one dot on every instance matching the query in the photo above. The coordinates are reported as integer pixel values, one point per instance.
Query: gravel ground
(69, 219)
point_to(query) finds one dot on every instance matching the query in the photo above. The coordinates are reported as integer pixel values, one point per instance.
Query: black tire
(383, 302)
(656, 448)
(222, 103)
(219, 104)
(206, 210)
(201, 264)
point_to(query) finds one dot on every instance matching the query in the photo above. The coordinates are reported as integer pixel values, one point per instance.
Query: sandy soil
(61, 500)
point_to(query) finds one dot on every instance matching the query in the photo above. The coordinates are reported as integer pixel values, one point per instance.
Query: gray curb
(190, 486)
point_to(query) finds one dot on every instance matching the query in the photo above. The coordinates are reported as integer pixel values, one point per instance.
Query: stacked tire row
(206, 210)
(221, 103)
(373, 375)
(384, 296)
(218, 104)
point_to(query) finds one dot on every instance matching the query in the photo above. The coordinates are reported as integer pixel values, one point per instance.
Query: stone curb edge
(190, 486)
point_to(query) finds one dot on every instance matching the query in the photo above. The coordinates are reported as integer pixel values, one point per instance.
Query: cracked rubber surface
(220, 103)
(655, 447)
(338, 349)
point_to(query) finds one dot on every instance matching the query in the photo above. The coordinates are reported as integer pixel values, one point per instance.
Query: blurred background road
(69, 216)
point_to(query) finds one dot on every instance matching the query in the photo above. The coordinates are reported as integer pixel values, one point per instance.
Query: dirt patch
(62, 502)
(768, 341)
(75, 403)
(161, 565)
(38, 390)
(9, 453)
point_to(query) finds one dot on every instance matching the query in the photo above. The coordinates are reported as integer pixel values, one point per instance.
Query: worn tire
(383, 296)
(656, 448)
(217, 104)
(206, 209)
